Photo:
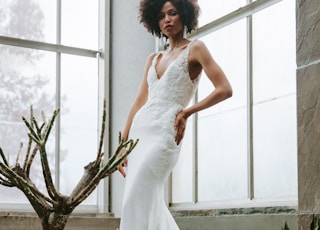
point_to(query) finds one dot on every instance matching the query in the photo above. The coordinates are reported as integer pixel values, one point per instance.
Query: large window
(49, 58)
(243, 151)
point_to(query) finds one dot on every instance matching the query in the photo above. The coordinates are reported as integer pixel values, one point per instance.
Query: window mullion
(195, 194)
(250, 109)
(237, 15)
(48, 46)
(58, 97)
(103, 58)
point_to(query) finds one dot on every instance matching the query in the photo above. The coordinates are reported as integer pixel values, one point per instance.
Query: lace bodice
(167, 96)
(175, 85)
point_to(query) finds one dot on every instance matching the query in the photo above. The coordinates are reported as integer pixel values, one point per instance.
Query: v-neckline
(168, 67)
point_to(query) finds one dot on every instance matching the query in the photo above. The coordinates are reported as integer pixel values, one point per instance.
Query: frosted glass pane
(214, 9)
(223, 156)
(79, 119)
(228, 48)
(182, 182)
(274, 51)
(27, 77)
(275, 148)
(16, 19)
(80, 23)
(274, 93)
(222, 129)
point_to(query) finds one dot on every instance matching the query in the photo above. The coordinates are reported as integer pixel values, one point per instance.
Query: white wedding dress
(153, 159)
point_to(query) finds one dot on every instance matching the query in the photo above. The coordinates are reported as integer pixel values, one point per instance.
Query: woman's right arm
(140, 100)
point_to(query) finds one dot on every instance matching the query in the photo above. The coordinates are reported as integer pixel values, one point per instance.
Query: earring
(161, 41)
(185, 31)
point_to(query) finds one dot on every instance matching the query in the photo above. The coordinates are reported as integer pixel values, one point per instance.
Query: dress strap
(188, 48)
(186, 52)
(155, 58)
(186, 62)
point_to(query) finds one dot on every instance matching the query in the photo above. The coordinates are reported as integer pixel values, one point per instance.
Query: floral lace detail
(175, 85)
(167, 96)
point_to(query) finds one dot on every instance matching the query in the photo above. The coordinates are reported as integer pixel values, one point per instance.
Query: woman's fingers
(180, 125)
(121, 169)
(180, 133)
(123, 164)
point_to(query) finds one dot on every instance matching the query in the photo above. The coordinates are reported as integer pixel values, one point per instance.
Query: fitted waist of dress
(164, 102)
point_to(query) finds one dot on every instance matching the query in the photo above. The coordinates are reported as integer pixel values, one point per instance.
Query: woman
(158, 116)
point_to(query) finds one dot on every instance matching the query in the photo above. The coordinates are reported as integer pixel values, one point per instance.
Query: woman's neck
(177, 43)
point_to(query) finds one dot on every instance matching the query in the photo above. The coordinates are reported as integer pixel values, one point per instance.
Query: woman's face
(169, 20)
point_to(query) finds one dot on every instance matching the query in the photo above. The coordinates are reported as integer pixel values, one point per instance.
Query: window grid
(102, 204)
(251, 8)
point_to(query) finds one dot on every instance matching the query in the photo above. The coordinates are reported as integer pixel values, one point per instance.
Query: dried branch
(33, 135)
(53, 193)
(3, 157)
(30, 160)
(113, 162)
(54, 210)
(21, 182)
(50, 125)
(104, 115)
(19, 152)
(5, 182)
(26, 159)
(41, 139)
(104, 171)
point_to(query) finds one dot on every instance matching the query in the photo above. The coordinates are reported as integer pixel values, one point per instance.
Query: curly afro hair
(149, 10)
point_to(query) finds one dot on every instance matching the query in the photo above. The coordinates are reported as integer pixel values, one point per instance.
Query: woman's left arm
(200, 58)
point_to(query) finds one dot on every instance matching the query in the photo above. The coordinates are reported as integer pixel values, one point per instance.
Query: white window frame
(247, 11)
(102, 56)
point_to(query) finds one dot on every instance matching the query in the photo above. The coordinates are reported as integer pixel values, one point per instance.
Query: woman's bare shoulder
(198, 46)
(149, 60)
(151, 56)
(198, 51)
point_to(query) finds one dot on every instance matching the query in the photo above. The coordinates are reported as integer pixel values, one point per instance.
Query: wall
(308, 95)
(239, 222)
(29, 221)
(130, 47)
(217, 221)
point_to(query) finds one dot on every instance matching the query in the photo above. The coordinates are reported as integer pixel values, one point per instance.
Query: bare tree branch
(104, 115)
(55, 209)
(3, 157)
(41, 139)
(26, 159)
(30, 160)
